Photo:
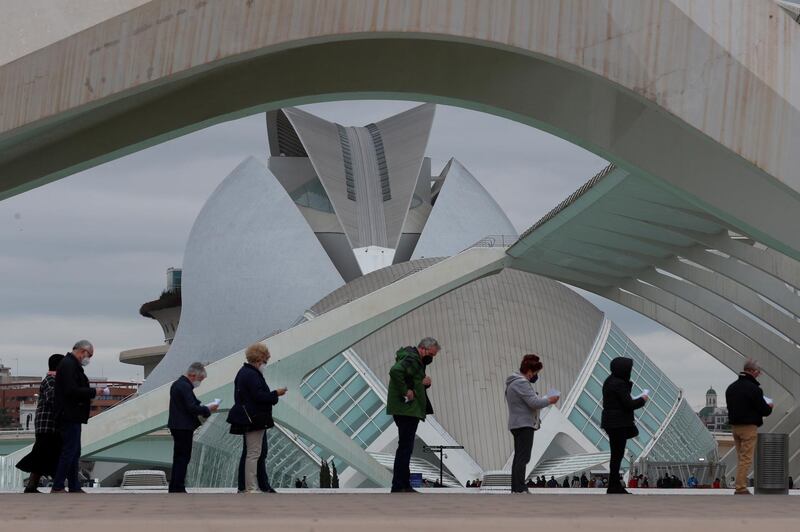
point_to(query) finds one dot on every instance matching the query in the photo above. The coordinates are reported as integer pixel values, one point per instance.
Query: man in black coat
(73, 396)
(617, 416)
(746, 410)
(185, 411)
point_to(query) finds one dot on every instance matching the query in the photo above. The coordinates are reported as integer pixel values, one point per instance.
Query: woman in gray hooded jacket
(523, 416)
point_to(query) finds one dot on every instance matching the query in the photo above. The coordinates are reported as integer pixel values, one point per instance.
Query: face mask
(263, 368)
(196, 384)
(85, 362)
(427, 359)
(533, 379)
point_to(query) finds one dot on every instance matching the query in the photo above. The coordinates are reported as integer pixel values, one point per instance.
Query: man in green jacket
(408, 403)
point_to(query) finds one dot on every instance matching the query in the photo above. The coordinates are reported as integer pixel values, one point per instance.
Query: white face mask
(196, 383)
(85, 361)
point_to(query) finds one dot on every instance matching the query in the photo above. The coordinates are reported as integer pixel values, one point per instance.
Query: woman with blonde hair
(250, 416)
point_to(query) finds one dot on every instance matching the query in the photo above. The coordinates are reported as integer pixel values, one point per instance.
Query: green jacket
(407, 374)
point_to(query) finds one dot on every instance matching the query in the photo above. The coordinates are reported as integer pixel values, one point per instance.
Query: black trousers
(406, 430)
(617, 438)
(181, 455)
(523, 443)
(261, 468)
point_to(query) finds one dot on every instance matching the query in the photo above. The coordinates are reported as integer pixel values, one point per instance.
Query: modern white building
(341, 212)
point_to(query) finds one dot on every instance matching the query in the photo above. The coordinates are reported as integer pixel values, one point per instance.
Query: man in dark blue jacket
(747, 407)
(185, 411)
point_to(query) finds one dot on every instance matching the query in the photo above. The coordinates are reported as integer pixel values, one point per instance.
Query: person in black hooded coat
(617, 417)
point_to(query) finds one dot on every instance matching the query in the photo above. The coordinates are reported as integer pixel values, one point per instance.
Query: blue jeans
(261, 469)
(406, 430)
(69, 459)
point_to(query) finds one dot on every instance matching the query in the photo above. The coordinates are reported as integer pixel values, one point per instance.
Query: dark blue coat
(73, 392)
(253, 401)
(184, 406)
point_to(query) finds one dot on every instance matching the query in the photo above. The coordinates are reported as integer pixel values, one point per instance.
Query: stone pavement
(440, 510)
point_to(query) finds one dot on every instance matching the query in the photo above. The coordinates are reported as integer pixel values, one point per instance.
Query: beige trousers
(254, 440)
(744, 438)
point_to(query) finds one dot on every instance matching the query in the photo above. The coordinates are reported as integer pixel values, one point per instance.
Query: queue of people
(65, 394)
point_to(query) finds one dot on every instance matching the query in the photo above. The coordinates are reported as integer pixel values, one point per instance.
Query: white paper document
(215, 402)
(644, 392)
(768, 400)
(552, 392)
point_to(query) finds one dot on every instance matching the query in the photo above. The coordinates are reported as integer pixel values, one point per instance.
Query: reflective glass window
(371, 403)
(591, 432)
(586, 403)
(356, 387)
(331, 365)
(341, 403)
(595, 388)
(315, 400)
(328, 390)
(369, 433)
(344, 373)
(383, 420)
(578, 419)
(355, 417)
(316, 378)
(345, 427)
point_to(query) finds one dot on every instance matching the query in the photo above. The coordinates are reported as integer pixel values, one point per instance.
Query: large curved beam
(624, 79)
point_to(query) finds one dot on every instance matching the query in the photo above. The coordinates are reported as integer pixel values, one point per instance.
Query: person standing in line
(73, 396)
(524, 405)
(747, 409)
(407, 402)
(251, 416)
(617, 417)
(43, 458)
(185, 411)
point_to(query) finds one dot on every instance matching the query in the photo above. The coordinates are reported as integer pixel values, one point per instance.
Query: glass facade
(664, 396)
(313, 196)
(216, 452)
(338, 391)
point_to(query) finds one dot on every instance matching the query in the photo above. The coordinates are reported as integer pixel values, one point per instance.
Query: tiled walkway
(113, 511)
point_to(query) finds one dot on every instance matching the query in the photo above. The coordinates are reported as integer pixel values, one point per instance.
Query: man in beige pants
(747, 407)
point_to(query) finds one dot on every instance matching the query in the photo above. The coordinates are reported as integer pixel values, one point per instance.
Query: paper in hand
(769, 401)
(644, 392)
(215, 402)
(552, 392)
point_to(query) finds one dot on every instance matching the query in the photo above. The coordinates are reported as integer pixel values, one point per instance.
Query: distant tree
(334, 476)
(324, 475)
(5, 418)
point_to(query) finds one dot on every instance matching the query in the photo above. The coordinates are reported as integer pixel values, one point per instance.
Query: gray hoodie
(523, 403)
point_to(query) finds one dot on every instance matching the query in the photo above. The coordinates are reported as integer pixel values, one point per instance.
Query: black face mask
(533, 379)
(427, 359)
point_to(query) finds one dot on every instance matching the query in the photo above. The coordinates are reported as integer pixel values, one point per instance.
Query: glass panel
(371, 403)
(305, 389)
(344, 373)
(586, 403)
(595, 388)
(340, 404)
(355, 417)
(316, 378)
(356, 387)
(603, 445)
(315, 400)
(578, 419)
(383, 421)
(345, 428)
(331, 365)
(591, 432)
(369, 433)
(328, 390)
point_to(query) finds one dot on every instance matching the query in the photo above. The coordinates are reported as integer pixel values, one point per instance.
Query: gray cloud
(80, 256)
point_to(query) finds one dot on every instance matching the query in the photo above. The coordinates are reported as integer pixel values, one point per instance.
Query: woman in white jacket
(523, 416)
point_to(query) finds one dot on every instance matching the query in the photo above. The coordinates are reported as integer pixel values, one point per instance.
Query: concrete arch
(617, 78)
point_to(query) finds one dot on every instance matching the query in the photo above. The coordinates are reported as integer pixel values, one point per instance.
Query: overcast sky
(79, 256)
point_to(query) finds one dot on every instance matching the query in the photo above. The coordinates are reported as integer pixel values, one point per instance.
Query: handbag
(256, 420)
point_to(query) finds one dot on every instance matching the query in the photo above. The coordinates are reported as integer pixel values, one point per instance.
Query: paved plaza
(114, 511)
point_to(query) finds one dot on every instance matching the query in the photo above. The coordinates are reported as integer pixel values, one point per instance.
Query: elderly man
(746, 410)
(408, 403)
(73, 396)
(185, 412)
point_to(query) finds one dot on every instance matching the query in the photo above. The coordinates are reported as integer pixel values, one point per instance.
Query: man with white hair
(73, 396)
(747, 407)
(185, 411)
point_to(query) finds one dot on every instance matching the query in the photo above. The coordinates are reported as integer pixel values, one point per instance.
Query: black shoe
(523, 491)
(31, 490)
(54, 490)
(79, 490)
(177, 491)
(398, 490)
(269, 490)
(617, 490)
(410, 490)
